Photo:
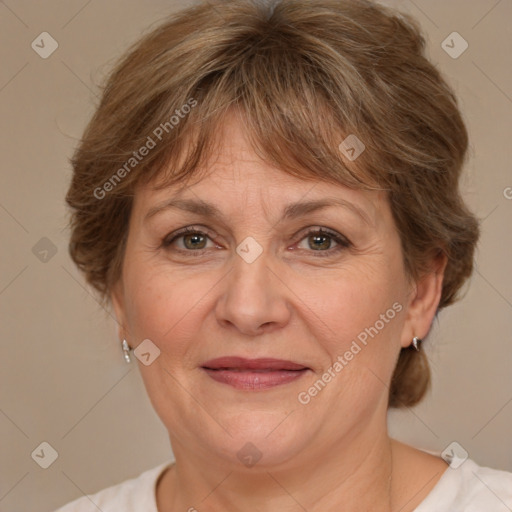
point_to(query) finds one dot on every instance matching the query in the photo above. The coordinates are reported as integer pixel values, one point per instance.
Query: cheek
(162, 304)
(360, 315)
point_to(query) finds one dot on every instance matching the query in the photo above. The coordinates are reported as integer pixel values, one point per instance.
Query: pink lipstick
(253, 374)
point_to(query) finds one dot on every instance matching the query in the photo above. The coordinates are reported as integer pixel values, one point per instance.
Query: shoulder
(470, 488)
(133, 495)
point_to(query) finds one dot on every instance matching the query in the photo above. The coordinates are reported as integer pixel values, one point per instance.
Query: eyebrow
(291, 211)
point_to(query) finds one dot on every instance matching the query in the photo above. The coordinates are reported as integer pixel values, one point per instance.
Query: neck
(355, 475)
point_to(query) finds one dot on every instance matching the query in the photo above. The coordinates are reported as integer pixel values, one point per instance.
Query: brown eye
(318, 242)
(194, 241)
(187, 240)
(322, 241)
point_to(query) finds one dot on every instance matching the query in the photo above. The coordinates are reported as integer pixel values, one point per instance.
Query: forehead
(236, 176)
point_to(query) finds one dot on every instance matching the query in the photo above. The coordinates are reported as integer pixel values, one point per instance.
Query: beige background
(63, 378)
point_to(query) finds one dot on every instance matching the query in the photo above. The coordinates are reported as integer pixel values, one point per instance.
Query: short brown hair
(305, 75)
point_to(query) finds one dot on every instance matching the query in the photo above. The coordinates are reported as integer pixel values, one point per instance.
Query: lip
(253, 374)
(240, 363)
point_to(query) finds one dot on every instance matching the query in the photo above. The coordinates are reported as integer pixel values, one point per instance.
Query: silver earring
(415, 343)
(126, 351)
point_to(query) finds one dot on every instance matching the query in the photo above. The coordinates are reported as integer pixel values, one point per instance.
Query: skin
(333, 453)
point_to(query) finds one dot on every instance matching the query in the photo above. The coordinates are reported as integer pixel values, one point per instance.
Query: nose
(254, 299)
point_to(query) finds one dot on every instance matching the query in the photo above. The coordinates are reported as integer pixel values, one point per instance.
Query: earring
(126, 351)
(415, 343)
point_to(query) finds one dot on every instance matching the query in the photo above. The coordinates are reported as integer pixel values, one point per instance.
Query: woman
(268, 197)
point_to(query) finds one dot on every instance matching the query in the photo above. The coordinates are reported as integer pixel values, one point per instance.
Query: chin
(260, 439)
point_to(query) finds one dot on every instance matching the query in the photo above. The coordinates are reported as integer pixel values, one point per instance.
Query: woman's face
(255, 279)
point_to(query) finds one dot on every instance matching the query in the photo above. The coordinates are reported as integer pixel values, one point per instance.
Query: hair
(304, 75)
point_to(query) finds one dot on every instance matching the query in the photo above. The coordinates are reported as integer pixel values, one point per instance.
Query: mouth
(253, 374)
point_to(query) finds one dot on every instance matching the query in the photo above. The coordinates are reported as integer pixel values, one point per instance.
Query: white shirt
(469, 488)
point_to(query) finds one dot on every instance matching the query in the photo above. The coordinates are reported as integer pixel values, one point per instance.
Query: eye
(321, 240)
(192, 240)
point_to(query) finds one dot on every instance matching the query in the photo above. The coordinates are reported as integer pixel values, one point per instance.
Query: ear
(117, 299)
(423, 301)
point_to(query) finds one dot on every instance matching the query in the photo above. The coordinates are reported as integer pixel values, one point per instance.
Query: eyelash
(342, 242)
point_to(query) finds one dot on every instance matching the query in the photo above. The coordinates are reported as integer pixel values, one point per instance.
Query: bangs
(291, 114)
